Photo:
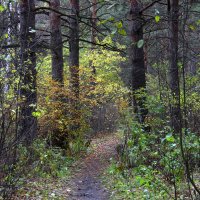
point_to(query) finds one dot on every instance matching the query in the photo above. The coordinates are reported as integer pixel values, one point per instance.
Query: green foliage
(36, 162)
(109, 85)
(140, 44)
(151, 166)
(49, 161)
(2, 8)
(139, 183)
(157, 18)
(42, 160)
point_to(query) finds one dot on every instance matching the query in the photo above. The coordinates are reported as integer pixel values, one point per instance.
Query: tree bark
(94, 22)
(74, 47)
(28, 90)
(93, 40)
(56, 43)
(173, 65)
(137, 60)
(74, 58)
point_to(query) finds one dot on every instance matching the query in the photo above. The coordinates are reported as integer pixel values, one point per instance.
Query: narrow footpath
(86, 184)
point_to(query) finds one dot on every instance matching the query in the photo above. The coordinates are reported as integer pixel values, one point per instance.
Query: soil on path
(86, 184)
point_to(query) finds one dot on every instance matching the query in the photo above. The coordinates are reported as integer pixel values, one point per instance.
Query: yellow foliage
(58, 116)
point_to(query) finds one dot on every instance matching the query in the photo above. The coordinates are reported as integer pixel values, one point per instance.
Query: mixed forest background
(72, 69)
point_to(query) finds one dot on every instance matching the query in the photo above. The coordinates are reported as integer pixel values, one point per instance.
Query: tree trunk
(94, 22)
(28, 93)
(74, 59)
(56, 43)
(137, 60)
(93, 41)
(173, 66)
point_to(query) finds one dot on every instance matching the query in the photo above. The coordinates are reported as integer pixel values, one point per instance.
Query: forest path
(86, 184)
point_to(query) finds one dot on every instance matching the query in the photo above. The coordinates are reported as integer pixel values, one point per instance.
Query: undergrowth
(150, 165)
(39, 171)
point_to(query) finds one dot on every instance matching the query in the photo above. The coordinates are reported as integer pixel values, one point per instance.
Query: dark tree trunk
(93, 40)
(74, 58)
(173, 66)
(28, 93)
(56, 43)
(137, 60)
(74, 47)
(94, 23)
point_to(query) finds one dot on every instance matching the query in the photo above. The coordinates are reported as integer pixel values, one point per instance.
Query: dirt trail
(87, 184)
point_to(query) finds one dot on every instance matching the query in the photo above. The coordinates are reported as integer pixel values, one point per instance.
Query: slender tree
(94, 22)
(28, 93)
(94, 31)
(137, 59)
(93, 39)
(173, 9)
(74, 47)
(56, 42)
(74, 56)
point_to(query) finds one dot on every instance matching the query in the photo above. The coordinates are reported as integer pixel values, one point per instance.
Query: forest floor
(87, 184)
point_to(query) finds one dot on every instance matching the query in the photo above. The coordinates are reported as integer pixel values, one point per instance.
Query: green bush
(154, 166)
(36, 161)
(45, 160)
